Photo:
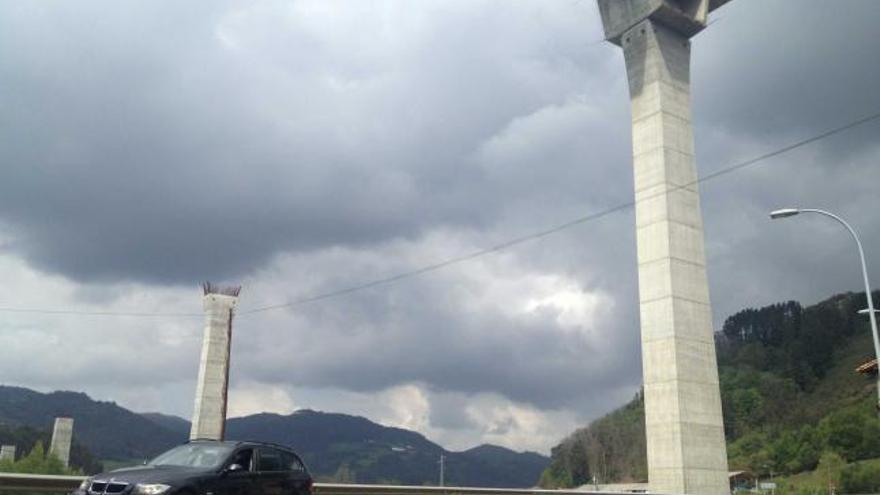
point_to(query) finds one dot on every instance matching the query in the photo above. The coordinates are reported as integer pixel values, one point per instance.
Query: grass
(842, 386)
(811, 482)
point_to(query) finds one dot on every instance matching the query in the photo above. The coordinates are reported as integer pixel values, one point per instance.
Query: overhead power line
(475, 254)
(74, 312)
(563, 226)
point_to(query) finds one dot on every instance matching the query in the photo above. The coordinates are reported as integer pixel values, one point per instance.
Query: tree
(26, 438)
(845, 432)
(861, 477)
(37, 461)
(830, 468)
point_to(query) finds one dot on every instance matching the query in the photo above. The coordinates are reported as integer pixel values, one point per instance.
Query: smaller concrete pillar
(209, 413)
(7, 453)
(62, 436)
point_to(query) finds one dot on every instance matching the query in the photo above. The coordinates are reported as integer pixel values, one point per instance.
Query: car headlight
(151, 489)
(85, 484)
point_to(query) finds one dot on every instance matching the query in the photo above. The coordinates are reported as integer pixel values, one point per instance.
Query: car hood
(152, 474)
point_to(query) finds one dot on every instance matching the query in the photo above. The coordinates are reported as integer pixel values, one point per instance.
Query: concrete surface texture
(7, 453)
(687, 17)
(685, 432)
(62, 436)
(209, 414)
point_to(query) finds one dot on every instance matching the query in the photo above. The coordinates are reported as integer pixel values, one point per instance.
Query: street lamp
(790, 212)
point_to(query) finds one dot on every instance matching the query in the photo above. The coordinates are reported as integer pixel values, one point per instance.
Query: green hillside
(789, 393)
(340, 447)
(833, 471)
(336, 447)
(171, 423)
(107, 430)
(26, 438)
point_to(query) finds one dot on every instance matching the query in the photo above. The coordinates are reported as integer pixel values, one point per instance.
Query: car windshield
(197, 455)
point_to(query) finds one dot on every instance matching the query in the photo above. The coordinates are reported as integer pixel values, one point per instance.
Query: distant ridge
(790, 393)
(349, 448)
(107, 430)
(336, 447)
(170, 422)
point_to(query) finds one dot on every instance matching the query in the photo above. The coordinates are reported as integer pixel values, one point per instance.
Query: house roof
(869, 367)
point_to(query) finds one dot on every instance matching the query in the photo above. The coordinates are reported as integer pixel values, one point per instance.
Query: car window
(291, 462)
(270, 460)
(195, 454)
(244, 458)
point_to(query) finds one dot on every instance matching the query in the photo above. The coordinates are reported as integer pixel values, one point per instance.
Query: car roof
(243, 442)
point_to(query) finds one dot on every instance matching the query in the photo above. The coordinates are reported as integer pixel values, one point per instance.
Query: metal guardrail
(346, 489)
(54, 483)
(38, 482)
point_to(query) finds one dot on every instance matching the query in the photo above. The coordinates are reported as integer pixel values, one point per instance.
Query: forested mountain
(175, 424)
(105, 429)
(354, 449)
(335, 446)
(340, 447)
(789, 393)
(513, 465)
(25, 438)
(611, 449)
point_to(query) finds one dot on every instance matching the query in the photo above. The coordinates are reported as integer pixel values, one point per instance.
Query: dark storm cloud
(431, 341)
(306, 151)
(778, 68)
(756, 261)
(196, 155)
(752, 261)
(766, 75)
(431, 330)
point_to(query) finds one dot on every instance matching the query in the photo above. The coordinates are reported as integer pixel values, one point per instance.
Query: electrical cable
(476, 254)
(97, 313)
(560, 227)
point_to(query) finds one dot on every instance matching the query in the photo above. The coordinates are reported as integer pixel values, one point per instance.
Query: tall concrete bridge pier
(685, 432)
(209, 413)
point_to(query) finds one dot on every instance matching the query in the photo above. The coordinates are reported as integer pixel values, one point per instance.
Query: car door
(282, 473)
(271, 475)
(239, 481)
(300, 480)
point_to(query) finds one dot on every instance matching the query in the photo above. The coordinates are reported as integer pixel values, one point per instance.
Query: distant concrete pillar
(62, 436)
(209, 413)
(7, 453)
(684, 426)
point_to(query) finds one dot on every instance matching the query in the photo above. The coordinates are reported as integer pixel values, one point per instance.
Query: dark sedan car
(207, 467)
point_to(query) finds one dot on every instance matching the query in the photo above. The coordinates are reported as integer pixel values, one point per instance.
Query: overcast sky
(300, 147)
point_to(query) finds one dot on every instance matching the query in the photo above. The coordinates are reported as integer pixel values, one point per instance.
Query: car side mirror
(232, 468)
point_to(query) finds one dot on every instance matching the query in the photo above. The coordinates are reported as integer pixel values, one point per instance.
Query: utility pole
(442, 469)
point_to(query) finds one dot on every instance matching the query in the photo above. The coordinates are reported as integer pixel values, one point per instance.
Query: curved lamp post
(789, 212)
